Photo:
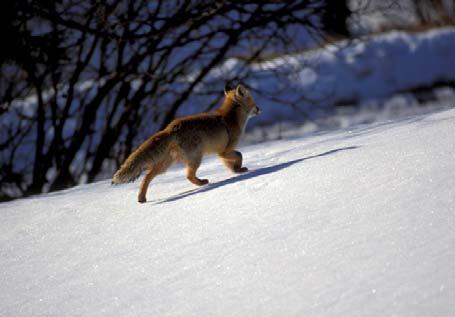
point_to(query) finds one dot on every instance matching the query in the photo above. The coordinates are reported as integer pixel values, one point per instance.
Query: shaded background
(84, 82)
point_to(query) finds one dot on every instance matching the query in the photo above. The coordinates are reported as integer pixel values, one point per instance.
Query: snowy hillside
(311, 86)
(340, 85)
(347, 223)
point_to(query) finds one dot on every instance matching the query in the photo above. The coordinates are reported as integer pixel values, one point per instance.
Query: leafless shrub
(83, 81)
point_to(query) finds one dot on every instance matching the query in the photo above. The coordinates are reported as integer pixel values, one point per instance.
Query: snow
(370, 77)
(357, 222)
(308, 86)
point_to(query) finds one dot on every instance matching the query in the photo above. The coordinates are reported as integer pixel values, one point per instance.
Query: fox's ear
(228, 87)
(241, 91)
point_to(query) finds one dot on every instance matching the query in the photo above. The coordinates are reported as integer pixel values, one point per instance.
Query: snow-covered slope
(333, 87)
(310, 85)
(348, 223)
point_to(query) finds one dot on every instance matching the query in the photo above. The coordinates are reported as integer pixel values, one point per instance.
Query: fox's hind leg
(192, 164)
(145, 184)
(155, 170)
(233, 161)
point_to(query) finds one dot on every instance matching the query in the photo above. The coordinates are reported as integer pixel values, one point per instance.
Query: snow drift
(358, 222)
(305, 88)
(310, 85)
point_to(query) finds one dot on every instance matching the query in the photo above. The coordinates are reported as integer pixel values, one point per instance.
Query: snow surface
(357, 222)
(370, 76)
(308, 86)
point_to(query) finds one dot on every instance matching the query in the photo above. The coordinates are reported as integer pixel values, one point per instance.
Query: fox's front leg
(233, 161)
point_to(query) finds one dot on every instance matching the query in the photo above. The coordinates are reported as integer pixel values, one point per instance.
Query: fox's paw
(141, 200)
(198, 181)
(202, 182)
(241, 170)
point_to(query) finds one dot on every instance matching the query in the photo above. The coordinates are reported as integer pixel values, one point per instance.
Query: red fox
(187, 139)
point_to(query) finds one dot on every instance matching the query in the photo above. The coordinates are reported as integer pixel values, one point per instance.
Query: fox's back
(206, 132)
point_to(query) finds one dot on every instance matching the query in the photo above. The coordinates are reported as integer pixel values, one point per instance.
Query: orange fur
(187, 139)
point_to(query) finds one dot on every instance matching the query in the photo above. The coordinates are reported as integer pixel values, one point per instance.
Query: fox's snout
(256, 110)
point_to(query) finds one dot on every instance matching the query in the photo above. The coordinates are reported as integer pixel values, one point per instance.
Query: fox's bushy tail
(152, 151)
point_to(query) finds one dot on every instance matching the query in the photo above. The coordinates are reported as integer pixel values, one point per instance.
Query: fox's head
(241, 95)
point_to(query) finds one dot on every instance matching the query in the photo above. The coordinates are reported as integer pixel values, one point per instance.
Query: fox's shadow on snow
(250, 174)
